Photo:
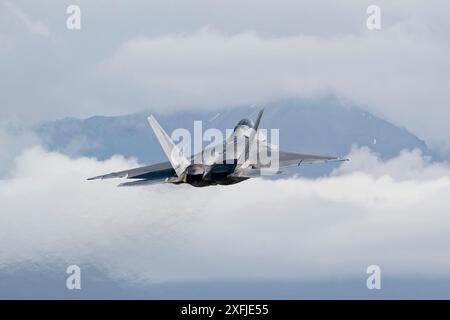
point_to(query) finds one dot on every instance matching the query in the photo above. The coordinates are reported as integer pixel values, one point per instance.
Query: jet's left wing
(155, 173)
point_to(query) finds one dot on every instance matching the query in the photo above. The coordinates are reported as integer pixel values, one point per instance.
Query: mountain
(322, 127)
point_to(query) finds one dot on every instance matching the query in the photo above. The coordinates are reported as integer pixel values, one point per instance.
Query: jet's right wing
(285, 160)
(289, 159)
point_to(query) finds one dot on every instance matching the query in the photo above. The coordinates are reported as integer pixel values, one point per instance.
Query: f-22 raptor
(243, 155)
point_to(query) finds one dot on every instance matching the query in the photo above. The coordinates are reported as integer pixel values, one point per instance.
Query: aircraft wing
(289, 159)
(155, 172)
(285, 160)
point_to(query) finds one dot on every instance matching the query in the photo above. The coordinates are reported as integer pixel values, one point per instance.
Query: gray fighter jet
(244, 154)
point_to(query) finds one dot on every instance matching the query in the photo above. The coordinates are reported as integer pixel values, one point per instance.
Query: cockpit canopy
(245, 122)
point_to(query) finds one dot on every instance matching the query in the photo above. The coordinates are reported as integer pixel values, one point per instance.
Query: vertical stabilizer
(245, 158)
(178, 161)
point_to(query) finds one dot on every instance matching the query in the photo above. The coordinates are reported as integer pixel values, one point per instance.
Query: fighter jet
(245, 154)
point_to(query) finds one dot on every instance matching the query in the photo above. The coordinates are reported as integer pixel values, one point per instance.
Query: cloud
(368, 212)
(32, 26)
(408, 165)
(394, 73)
(253, 53)
(14, 139)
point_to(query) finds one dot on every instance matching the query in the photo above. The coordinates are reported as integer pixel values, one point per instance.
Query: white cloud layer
(13, 141)
(394, 214)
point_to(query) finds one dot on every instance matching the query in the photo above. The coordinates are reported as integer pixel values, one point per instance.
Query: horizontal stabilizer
(139, 183)
(110, 176)
(255, 172)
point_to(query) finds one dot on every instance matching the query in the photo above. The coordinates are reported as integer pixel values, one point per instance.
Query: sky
(170, 56)
(177, 55)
